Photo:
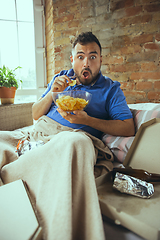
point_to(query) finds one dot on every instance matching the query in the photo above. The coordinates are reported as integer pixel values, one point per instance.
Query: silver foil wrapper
(132, 186)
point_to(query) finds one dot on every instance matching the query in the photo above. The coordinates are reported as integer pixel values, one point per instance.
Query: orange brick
(58, 49)
(154, 96)
(120, 77)
(147, 56)
(74, 8)
(133, 11)
(143, 86)
(127, 50)
(152, 7)
(58, 4)
(135, 20)
(151, 27)
(62, 41)
(74, 23)
(113, 60)
(127, 85)
(57, 34)
(69, 32)
(65, 18)
(120, 4)
(135, 94)
(151, 46)
(62, 10)
(118, 42)
(148, 66)
(143, 39)
(132, 67)
(117, 68)
(61, 26)
(157, 37)
(146, 18)
(157, 85)
(145, 75)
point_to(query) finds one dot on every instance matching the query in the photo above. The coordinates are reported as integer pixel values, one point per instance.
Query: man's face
(86, 61)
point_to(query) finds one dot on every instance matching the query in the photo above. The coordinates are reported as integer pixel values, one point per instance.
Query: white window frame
(40, 51)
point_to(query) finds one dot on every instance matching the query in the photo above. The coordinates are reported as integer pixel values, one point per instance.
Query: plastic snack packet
(24, 146)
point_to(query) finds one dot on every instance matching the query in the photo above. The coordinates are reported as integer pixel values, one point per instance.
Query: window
(23, 44)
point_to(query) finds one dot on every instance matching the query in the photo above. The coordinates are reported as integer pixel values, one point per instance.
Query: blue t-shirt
(108, 102)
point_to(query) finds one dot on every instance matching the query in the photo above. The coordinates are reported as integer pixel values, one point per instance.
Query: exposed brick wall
(49, 31)
(129, 31)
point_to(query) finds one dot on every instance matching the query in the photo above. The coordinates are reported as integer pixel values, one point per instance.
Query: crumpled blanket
(61, 183)
(45, 128)
(104, 155)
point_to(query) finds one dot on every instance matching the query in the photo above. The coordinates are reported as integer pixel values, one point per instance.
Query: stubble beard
(91, 80)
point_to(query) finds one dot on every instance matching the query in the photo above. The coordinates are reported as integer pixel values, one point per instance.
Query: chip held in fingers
(72, 83)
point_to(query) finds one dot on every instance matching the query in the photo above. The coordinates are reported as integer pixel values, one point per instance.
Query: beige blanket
(60, 178)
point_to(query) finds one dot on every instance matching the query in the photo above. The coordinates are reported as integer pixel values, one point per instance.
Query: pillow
(157, 107)
(141, 116)
(120, 145)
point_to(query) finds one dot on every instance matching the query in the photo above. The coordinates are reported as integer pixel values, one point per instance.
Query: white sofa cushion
(120, 145)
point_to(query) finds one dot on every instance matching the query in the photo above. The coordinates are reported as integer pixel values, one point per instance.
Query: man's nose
(86, 62)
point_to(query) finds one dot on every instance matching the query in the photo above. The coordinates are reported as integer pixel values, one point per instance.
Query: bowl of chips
(71, 100)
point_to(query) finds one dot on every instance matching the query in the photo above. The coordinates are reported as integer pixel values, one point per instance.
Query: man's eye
(80, 57)
(93, 57)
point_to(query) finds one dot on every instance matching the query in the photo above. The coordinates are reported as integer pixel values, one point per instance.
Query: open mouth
(85, 74)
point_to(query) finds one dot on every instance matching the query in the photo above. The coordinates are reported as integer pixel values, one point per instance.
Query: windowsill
(28, 95)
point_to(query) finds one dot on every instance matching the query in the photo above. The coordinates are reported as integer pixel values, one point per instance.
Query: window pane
(7, 9)
(25, 10)
(27, 54)
(17, 44)
(25, 98)
(8, 44)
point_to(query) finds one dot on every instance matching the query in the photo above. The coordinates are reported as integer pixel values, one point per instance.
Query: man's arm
(42, 106)
(113, 127)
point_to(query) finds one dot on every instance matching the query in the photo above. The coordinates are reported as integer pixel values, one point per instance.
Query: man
(60, 174)
(108, 111)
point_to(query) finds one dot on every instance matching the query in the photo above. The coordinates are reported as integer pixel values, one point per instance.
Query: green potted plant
(8, 84)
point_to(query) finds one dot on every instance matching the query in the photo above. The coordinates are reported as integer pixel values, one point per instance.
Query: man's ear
(101, 58)
(71, 57)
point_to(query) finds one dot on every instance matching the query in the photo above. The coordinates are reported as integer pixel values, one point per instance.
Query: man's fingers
(59, 84)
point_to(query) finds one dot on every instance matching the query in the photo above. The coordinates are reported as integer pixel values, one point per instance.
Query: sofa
(16, 116)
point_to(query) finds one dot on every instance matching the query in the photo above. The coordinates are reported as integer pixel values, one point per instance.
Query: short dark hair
(86, 37)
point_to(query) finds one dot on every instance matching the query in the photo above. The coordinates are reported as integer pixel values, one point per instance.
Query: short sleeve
(117, 106)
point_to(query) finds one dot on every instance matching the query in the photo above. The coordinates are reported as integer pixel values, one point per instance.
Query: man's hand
(60, 83)
(78, 116)
(113, 127)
